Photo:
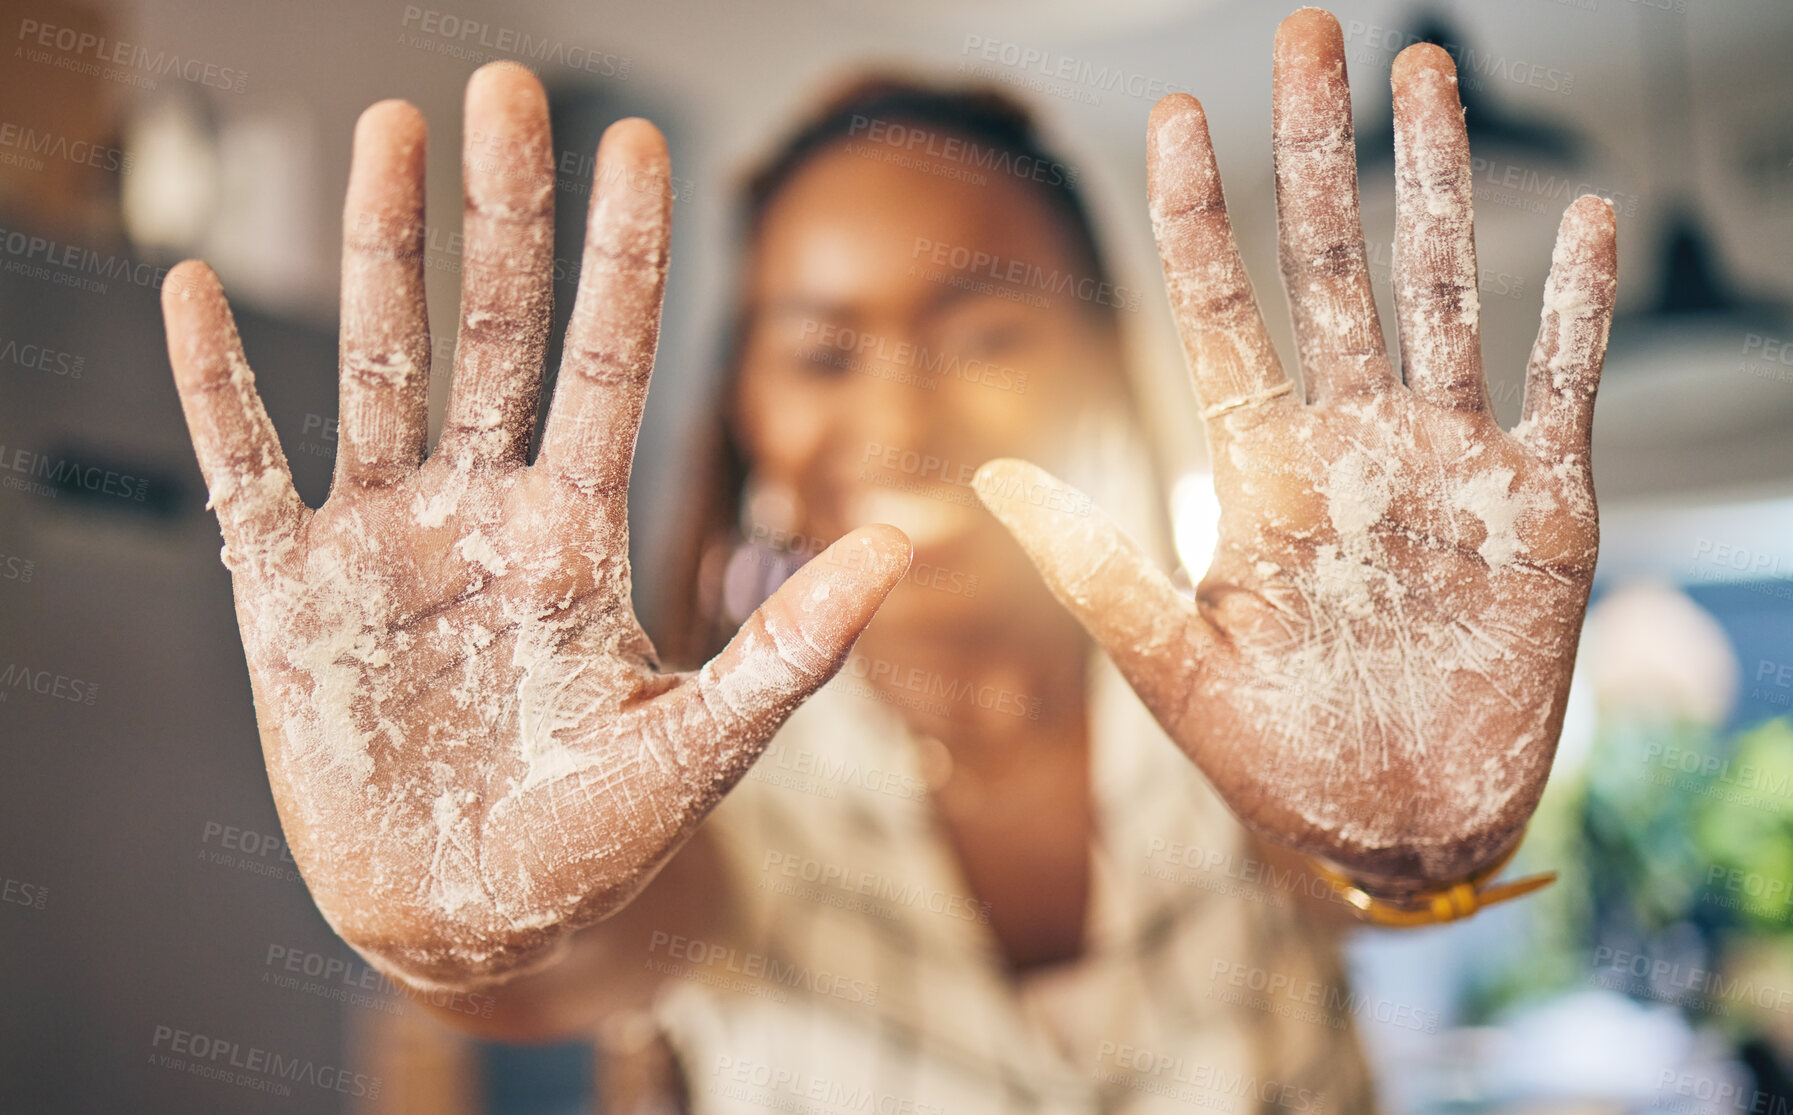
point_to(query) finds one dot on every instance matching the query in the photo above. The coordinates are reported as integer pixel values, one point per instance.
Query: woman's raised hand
(471, 746)
(1374, 668)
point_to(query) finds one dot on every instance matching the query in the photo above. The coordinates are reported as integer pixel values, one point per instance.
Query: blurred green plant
(1745, 832)
(1668, 831)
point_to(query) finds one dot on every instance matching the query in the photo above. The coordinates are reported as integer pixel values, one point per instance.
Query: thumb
(718, 719)
(1151, 631)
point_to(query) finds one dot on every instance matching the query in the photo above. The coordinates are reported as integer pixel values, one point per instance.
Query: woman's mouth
(928, 520)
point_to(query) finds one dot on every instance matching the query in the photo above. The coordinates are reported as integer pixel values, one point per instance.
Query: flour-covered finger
(609, 354)
(385, 324)
(1564, 372)
(1320, 232)
(718, 719)
(507, 268)
(1120, 596)
(1437, 302)
(1224, 339)
(239, 453)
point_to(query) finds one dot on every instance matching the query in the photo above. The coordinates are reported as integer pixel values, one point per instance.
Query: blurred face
(904, 328)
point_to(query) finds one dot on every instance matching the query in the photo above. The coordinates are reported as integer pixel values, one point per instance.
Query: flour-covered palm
(469, 743)
(1375, 666)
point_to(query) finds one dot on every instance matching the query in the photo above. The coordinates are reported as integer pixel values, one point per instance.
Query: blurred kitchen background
(145, 889)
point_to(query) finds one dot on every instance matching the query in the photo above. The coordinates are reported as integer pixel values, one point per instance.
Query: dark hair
(999, 128)
(996, 126)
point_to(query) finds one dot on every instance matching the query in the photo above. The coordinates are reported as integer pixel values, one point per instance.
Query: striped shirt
(863, 974)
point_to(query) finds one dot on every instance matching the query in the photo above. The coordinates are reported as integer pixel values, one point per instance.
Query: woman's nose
(894, 406)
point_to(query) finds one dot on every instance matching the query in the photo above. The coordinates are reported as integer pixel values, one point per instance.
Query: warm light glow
(171, 194)
(1195, 521)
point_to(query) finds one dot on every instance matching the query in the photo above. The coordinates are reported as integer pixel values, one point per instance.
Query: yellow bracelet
(1436, 905)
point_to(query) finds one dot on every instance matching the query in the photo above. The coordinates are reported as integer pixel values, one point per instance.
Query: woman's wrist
(1412, 903)
(438, 972)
